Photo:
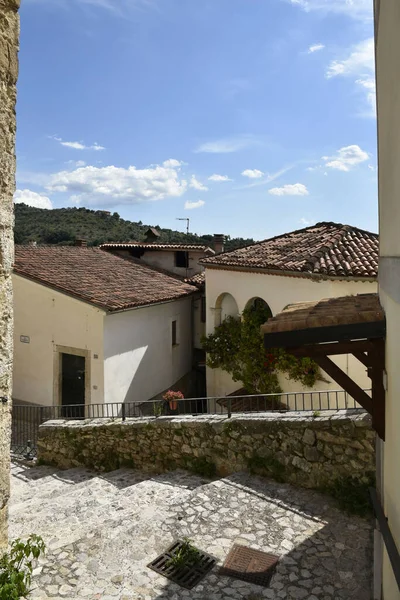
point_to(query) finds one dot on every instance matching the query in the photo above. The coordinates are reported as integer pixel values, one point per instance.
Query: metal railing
(26, 419)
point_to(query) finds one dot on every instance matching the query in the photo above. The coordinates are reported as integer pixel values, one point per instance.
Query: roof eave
(277, 272)
(103, 307)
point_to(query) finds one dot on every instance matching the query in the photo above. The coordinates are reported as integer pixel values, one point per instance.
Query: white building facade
(69, 350)
(235, 279)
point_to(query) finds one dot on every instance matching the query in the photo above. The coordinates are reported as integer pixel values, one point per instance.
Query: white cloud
(306, 222)
(252, 173)
(76, 163)
(197, 185)
(190, 205)
(312, 169)
(172, 162)
(32, 199)
(295, 189)
(78, 145)
(361, 58)
(346, 158)
(357, 9)
(368, 83)
(359, 64)
(115, 185)
(228, 145)
(217, 177)
(267, 178)
(315, 48)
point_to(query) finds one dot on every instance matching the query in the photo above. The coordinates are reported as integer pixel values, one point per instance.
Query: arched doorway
(258, 303)
(225, 306)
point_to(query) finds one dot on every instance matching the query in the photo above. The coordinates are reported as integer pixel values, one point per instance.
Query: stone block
(309, 437)
(311, 454)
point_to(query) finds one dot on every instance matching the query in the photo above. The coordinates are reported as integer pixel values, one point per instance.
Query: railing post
(123, 412)
(229, 407)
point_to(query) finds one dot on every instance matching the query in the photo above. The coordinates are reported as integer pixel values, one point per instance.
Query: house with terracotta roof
(92, 327)
(325, 260)
(179, 259)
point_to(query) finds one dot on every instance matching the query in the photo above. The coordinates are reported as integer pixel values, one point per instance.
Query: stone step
(29, 482)
(89, 506)
(73, 481)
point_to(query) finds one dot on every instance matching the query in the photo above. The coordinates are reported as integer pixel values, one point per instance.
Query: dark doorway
(73, 386)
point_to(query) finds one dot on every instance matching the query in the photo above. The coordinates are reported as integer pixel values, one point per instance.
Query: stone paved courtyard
(102, 530)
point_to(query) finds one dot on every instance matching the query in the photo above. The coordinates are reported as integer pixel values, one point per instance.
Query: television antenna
(187, 222)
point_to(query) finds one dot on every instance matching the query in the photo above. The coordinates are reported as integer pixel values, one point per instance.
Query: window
(174, 333)
(182, 259)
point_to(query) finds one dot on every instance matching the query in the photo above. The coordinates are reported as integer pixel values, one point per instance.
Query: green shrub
(186, 556)
(352, 495)
(237, 347)
(203, 467)
(267, 465)
(16, 567)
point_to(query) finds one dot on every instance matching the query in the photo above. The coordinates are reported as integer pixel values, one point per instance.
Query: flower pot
(173, 404)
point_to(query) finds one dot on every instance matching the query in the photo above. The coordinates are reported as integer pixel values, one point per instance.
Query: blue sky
(251, 117)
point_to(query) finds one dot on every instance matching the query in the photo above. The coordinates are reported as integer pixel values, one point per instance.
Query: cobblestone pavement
(102, 530)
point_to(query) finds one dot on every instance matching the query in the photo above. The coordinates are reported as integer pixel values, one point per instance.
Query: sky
(250, 117)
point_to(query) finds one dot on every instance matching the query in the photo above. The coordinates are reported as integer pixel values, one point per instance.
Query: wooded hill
(64, 225)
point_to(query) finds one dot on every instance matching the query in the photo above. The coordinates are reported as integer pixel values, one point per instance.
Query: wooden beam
(377, 357)
(363, 358)
(333, 348)
(317, 335)
(344, 381)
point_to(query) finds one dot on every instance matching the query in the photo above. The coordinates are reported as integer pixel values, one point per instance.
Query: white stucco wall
(387, 26)
(278, 292)
(52, 319)
(139, 359)
(165, 259)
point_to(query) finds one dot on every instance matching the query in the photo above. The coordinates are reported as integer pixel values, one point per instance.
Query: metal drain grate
(250, 565)
(187, 576)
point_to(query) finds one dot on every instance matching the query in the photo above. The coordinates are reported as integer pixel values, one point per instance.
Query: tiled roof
(156, 246)
(325, 249)
(343, 310)
(198, 279)
(98, 277)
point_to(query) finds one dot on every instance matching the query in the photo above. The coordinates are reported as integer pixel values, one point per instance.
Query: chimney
(219, 241)
(81, 243)
(33, 244)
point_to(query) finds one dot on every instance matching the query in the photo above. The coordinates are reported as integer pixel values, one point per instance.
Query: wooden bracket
(371, 353)
(342, 379)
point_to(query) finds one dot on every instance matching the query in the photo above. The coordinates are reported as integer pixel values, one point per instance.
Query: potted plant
(172, 398)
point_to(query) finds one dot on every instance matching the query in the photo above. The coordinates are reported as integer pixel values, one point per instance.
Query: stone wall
(307, 451)
(9, 35)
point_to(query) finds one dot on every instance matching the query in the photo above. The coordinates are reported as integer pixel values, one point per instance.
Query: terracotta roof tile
(98, 277)
(344, 310)
(199, 280)
(329, 249)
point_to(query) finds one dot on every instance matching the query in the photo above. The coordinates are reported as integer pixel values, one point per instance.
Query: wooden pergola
(346, 325)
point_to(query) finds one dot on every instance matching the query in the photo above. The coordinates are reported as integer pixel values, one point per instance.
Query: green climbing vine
(236, 346)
